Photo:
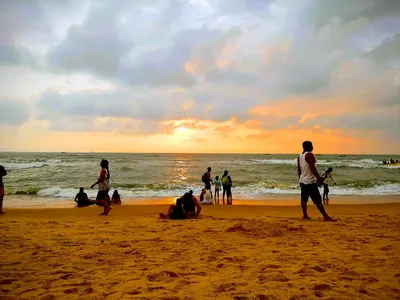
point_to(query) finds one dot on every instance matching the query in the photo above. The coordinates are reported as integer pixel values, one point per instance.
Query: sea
(57, 176)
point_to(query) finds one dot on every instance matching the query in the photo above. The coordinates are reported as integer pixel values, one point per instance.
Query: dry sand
(235, 252)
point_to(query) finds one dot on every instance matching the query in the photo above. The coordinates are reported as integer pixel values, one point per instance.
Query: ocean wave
(355, 163)
(37, 164)
(259, 189)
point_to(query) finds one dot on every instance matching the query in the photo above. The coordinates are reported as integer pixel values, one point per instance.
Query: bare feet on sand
(106, 212)
(306, 218)
(162, 216)
(329, 219)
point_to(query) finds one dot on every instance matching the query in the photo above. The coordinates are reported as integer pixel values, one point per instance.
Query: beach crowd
(188, 206)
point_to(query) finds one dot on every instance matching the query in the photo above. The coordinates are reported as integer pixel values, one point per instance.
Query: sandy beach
(235, 252)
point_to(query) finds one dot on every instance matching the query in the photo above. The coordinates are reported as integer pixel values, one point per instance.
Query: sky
(203, 76)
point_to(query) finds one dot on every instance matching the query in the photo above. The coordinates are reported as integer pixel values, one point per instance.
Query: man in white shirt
(309, 180)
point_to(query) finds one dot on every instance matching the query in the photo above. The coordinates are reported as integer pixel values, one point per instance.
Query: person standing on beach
(217, 186)
(229, 191)
(3, 173)
(309, 180)
(207, 180)
(224, 181)
(103, 181)
(327, 177)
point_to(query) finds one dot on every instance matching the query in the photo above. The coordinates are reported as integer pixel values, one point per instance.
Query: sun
(180, 130)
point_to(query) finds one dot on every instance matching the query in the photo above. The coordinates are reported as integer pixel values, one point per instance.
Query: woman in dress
(103, 182)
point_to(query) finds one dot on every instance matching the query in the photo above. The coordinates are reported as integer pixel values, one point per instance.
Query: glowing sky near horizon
(247, 76)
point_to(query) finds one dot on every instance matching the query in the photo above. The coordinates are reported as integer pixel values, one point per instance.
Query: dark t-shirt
(81, 198)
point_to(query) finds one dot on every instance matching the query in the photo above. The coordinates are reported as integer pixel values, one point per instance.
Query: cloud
(269, 65)
(13, 113)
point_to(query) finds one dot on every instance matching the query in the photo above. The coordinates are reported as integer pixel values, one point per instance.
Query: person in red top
(309, 180)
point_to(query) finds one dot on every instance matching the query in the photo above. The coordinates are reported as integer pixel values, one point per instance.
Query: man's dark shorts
(207, 185)
(224, 189)
(310, 191)
(326, 188)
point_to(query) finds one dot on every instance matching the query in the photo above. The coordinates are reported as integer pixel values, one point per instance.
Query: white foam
(246, 191)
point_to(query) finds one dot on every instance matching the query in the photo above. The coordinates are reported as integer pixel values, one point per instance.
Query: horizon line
(207, 153)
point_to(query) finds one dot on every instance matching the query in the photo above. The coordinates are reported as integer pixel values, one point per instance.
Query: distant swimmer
(3, 173)
(82, 199)
(103, 182)
(116, 198)
(186, 207)
(309, 180)
(327, 178)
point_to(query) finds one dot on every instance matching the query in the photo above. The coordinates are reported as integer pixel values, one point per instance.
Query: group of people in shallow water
(225, 182)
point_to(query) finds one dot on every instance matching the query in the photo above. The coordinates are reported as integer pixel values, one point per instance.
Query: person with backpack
(206, 178)
(327, 178)
(224, 182)
(186, 207)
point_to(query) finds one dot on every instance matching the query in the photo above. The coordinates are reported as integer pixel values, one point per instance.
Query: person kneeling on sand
(115, 199)
(82, 199)
(185, 208)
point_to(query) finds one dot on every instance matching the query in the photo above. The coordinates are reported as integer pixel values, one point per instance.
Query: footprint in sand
(162, 276)
(265, 297)
(71, 291)
(6, 281)
(322, 287)
(48, 297)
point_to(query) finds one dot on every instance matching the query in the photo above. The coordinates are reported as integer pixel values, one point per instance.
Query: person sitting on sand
(82, 199)
(116, 198)
(309, 180)
(217, 185)
(185, 208)
(202, 193)
(3, 173)
(327, 178)
(103, 181)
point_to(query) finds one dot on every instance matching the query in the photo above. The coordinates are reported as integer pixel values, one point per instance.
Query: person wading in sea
(309, 180)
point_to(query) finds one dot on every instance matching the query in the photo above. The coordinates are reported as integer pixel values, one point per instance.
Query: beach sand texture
(236, 252)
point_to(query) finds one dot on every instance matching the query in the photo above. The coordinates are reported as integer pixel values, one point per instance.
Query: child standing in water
(3, 173)
(217, 185)
(327, 177)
